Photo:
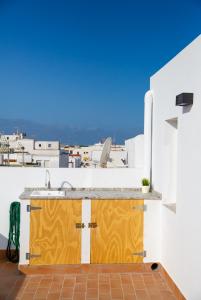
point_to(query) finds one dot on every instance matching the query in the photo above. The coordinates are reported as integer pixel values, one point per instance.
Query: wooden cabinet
(54, 238)
(115, 226)
(118, 237)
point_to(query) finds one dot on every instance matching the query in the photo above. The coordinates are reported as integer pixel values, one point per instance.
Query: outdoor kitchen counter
(92, 193)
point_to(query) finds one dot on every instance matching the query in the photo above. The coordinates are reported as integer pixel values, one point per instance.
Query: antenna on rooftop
(105, 152)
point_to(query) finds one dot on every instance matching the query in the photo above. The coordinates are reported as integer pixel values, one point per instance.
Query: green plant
(145, 182)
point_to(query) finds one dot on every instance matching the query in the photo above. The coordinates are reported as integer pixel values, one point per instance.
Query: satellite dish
(105, 152)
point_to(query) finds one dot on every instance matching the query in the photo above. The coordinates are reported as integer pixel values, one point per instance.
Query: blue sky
(87, 63)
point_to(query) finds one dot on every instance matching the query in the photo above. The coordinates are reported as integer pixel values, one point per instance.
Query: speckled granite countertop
(92, 193)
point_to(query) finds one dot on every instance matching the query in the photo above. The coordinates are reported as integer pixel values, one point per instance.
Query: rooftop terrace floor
(89, 286)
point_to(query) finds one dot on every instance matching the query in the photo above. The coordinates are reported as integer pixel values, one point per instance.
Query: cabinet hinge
(29, 256)
(140, 207)
(79, 225)
(143, 253)
(30, 208)
(92, 225)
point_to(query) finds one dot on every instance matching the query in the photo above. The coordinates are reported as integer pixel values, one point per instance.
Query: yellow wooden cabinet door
(118, 236)
(54, 238)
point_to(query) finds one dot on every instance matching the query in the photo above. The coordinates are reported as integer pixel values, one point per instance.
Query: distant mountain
(65, 134)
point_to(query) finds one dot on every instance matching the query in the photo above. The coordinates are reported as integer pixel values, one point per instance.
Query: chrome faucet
(63, 183)
(47, 183)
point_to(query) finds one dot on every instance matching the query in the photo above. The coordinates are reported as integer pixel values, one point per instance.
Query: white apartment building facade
(16, 149)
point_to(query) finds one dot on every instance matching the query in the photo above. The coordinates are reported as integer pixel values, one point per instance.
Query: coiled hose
(14, 233)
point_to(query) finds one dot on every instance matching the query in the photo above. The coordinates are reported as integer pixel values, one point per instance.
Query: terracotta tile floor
(101, 286)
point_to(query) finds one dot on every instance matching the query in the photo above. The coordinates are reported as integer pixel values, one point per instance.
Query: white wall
(180, 231)
(46, 145)
(135, 151)
(28, 144)
(13, 180)
(52, 161)
(152, 231)
(170, 160)
(60, 160)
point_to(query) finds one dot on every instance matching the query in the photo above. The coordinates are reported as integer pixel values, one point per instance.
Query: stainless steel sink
(47, 193)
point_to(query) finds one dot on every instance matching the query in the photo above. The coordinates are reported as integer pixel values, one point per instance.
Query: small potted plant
(145, 185)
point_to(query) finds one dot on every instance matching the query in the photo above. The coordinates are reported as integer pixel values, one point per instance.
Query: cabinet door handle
(79, 225)
(92, 225)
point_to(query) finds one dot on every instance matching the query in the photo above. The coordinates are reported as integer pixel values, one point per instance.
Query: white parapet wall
(13, 180)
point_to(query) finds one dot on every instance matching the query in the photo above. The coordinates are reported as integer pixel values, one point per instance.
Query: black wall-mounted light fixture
(184, 99)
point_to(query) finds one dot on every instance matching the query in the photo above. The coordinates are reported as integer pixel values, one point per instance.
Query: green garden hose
(12, 251)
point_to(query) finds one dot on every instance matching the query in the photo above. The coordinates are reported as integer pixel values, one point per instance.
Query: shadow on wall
(3, 242)
(187, 109)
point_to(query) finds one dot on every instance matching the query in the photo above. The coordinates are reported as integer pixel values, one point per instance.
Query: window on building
(49, 145)
(39, 145)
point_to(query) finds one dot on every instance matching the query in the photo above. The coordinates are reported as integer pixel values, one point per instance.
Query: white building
(16, 149)
(176, 164)
(90, 155)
